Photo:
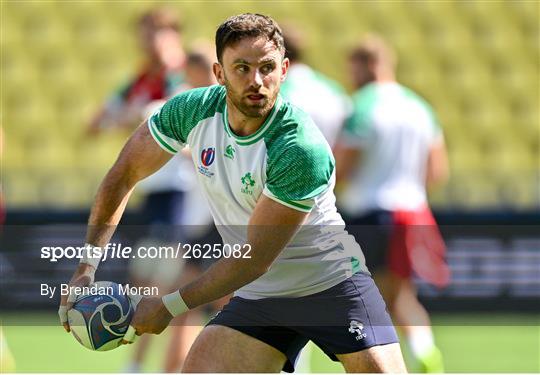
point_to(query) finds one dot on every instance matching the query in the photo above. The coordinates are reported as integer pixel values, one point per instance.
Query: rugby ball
(100, 317)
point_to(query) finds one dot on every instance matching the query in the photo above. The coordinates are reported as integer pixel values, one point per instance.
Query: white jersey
(321, 98)
(287, 160)
(395, 129)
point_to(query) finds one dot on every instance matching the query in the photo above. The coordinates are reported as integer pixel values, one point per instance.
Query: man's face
(252, 71)
(159, 42)
(361, 72)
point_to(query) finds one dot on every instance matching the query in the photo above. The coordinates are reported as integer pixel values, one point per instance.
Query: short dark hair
(373, 48)
(160, 18)
(201, 54)
(247, 25)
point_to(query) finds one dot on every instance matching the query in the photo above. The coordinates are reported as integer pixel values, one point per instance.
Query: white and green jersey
(395, 129)
(289, 161)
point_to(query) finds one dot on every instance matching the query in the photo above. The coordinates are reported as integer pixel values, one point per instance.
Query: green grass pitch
(486, 343)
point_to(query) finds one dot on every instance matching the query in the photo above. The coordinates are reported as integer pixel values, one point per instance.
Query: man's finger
(71, 298)
(66, 327)
(62, 314)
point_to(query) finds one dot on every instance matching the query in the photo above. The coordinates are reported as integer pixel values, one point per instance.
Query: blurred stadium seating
(477, 63)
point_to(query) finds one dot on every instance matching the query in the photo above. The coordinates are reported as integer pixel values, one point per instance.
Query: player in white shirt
(391, 147)
(268, 175)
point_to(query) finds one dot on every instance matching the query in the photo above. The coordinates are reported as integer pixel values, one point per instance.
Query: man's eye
(267, 69)
(242, 68)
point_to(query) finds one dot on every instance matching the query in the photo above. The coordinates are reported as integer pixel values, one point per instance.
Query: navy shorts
(346, 318)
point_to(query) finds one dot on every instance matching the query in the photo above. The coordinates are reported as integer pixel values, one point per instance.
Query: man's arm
(271, 227)
(140, 157)
(124, 116)
(437, 165)
(347, 159)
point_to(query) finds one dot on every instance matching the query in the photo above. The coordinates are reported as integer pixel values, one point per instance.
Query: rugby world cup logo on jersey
(208, 155)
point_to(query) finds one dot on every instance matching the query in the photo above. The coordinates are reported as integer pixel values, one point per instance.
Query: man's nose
(257, 79)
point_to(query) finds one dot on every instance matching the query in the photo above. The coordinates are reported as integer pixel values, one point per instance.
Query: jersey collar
(252, 138)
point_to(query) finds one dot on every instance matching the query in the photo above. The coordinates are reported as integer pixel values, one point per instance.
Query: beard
(253, 110)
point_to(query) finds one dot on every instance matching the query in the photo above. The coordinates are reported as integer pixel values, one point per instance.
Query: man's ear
(218, 72)
(284, 68)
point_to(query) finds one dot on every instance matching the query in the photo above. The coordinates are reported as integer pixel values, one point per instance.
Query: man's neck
(156, 65)
(241, 124)
(384, 75)
(378, 80)
(385, 80)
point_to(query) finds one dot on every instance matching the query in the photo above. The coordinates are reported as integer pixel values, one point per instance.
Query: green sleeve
(171, 124)
(299, 168)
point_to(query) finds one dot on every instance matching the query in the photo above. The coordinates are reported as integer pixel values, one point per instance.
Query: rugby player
(391, 148)
(268, 175)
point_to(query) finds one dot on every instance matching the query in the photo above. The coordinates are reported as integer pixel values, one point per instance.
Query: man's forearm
(271, 227)
(221, 279)
(140, 157)
(109, 205)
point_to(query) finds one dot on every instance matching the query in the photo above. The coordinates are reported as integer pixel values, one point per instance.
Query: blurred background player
(160, 76)
(392, 148)
(199, 61)
(323, 99)
(171, 203)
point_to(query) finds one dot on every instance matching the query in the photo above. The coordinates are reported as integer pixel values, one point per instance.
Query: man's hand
(151, 316)
(83, 276)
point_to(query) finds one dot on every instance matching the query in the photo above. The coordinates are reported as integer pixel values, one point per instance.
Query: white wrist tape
(62, 313)
(174, 303)
(91, 255)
